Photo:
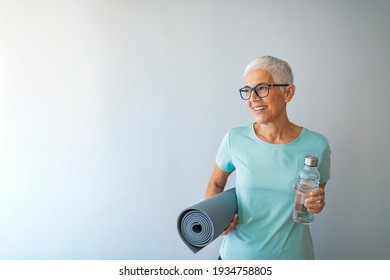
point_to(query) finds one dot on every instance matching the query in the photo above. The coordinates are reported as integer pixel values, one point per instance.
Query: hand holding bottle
(316, 202)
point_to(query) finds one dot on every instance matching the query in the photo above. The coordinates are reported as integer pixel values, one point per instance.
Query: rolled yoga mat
(203, 222)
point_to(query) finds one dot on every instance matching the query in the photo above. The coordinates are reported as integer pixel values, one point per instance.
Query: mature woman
(267, 156)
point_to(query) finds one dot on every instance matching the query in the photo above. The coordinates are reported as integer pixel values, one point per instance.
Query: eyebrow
(267, 83)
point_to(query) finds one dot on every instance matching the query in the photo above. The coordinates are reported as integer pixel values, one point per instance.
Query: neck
(281, 133)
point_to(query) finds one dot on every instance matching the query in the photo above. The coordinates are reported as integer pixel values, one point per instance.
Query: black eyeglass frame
(254, 89)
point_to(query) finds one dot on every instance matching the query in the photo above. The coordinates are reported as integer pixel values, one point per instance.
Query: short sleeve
(224, 156)
(324, 165)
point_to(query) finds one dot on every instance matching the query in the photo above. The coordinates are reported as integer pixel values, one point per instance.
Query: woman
(267, 156)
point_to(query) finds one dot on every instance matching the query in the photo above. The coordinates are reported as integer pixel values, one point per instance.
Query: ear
(289, 93)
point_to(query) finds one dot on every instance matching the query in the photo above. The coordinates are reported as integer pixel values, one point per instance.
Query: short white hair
(279, 69)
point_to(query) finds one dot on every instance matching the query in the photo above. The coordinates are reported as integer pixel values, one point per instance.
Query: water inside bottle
(300, 211)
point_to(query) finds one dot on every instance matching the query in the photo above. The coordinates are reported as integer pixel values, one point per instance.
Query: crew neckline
(272, 144)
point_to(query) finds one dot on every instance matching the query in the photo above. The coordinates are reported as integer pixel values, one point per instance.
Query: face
(269, 109)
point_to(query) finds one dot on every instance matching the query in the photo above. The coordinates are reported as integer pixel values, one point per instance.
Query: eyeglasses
(261, 90)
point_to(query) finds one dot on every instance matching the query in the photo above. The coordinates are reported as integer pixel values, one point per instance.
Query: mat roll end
(203, 222)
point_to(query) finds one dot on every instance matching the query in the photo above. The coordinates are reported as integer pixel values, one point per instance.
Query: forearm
(217, 182)
(213, 189)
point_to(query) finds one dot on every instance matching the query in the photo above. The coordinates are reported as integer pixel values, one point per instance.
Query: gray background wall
(111, 113)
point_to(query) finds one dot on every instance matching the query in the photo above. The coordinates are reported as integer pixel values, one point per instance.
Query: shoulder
(237, 134)
(312, 135)
(240, 131)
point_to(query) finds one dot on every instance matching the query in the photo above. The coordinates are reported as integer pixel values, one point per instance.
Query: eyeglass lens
(261, 90)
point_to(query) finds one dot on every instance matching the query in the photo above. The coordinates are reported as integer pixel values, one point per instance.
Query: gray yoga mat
(203, 222)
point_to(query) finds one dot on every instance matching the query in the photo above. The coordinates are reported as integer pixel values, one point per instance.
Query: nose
(254, 96)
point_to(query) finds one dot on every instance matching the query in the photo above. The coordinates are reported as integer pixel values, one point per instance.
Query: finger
(312, 201)
(316, 195)
(315, 207)
(232, 225)
(317, 192)
(315, 199)
(228, 229)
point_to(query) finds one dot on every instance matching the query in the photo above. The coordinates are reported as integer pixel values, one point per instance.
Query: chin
(259, 120)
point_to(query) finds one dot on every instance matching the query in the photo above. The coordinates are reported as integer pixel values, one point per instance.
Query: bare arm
(216, 185)
(217, 182)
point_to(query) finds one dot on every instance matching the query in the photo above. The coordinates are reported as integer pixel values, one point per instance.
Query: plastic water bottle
(308, 181)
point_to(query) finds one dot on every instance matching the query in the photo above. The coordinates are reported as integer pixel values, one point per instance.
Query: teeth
(259, 108)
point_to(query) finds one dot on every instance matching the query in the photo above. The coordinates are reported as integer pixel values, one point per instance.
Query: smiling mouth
(259, 108)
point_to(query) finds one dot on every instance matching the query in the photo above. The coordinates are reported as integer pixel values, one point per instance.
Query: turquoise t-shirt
(265, 174)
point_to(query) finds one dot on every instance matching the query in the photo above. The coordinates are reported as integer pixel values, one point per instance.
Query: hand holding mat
(203, 222)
